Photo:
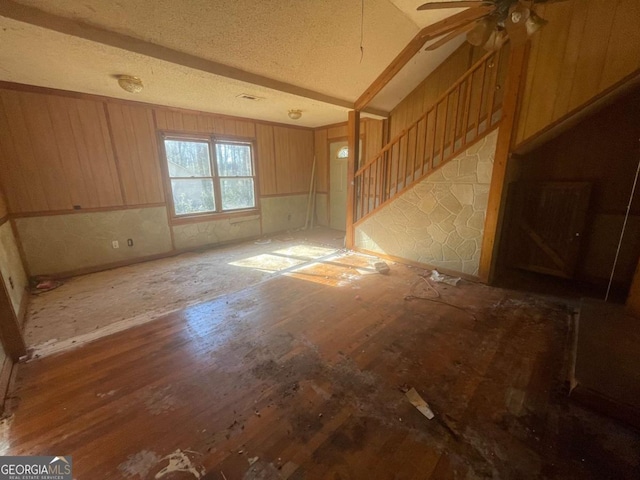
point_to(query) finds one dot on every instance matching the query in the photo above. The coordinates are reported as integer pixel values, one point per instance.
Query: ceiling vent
(246, 96)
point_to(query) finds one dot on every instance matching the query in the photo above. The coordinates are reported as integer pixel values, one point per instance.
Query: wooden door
(546, 226)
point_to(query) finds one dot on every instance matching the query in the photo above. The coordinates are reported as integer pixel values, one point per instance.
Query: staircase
(466, 112)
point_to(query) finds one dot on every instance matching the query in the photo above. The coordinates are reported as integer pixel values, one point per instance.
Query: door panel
(546, 226)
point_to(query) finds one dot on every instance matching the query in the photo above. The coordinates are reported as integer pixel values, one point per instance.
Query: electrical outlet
(289, 217)
(130, 242)
(115, 244)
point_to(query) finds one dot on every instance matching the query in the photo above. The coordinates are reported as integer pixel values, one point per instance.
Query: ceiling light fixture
(130, 84)
(295, 114)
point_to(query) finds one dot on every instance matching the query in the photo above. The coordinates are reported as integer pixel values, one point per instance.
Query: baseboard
(426, 266)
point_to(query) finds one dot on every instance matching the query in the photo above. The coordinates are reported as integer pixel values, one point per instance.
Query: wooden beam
(352, 166)
(68, 26)
(506, 134)
(427, 33)
(10, 333)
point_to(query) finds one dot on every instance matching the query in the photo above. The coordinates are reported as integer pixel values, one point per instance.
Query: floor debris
(438, 277)
(179, 462)
(419, 402)
(382, 267)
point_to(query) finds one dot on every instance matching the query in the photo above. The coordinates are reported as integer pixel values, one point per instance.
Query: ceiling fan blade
(438, 5)
(447, 38)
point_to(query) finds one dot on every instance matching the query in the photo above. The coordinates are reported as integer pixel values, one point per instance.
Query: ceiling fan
(513, 19)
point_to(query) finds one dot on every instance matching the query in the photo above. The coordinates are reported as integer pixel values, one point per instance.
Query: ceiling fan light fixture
(479, 34)
(295, 114)
(130, 83)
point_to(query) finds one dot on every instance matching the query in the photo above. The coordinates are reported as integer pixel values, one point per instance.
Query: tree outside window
(209, 175)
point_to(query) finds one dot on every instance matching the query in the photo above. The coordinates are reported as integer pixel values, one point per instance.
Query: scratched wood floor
(301, 377)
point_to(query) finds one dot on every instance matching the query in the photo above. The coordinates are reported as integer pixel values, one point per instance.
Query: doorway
(338, 154)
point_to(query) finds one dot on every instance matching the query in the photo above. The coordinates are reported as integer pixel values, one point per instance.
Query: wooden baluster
(495, 61)
(479, 113)
(434, 139)
(456, 115)
(420, 150)
(465, 114)
(444, 130)
(376, 179)
(363, 178)
(397, 165)
(414, 166)
(402, 162)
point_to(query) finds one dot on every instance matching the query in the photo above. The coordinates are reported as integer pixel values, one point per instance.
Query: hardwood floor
(300, 377)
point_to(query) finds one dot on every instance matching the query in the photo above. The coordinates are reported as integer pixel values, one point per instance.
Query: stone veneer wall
(56, 244)
(11, 267)
(63, 243)
(215, 231)
(440, 220)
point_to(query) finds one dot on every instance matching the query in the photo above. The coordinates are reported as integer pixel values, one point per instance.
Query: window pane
(188, 159)
(193, 196)
(233, 160)
(237, 193)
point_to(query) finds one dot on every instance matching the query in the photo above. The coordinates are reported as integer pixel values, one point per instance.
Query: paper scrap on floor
(419, 402)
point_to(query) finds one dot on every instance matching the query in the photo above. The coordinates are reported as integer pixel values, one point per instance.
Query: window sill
(237, 215)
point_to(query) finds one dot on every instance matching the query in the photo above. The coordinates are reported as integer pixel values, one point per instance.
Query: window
(209, 175)
(343, 153)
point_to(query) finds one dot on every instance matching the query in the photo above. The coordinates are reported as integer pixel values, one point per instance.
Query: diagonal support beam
(427, 33)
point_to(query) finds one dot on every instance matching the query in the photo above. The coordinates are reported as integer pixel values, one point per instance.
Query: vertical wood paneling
(625, 32)
(321, 151)
(587, 47)
(294, 158)
(266, 160)
(282, 157)
(56, 153)
(425, 95)
(373, 138)
(135, 142)
(4, 208)
(339, 131)
(301, 159)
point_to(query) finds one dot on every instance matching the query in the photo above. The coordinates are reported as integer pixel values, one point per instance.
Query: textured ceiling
(312, 44)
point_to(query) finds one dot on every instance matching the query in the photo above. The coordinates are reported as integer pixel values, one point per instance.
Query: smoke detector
(130, 84)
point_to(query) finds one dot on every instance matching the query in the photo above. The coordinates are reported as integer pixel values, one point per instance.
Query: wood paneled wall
(4, 209)
(426, 94)
(587, 47)
(60, 151)
(194, 122)
(135, 143)
(56, 152)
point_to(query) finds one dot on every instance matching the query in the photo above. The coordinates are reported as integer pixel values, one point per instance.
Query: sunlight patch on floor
(284, 258)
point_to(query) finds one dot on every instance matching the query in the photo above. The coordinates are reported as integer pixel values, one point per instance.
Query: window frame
(212, 141)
